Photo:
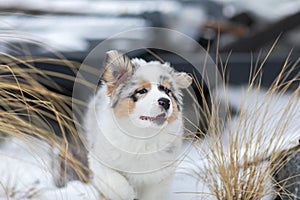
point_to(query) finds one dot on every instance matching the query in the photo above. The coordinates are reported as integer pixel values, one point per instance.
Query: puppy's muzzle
(164, 102)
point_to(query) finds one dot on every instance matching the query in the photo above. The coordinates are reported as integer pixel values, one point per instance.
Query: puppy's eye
(142, 91)
(167, 91)
(162, 88)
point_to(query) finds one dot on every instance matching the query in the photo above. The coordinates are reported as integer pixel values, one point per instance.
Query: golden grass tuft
(29, 108)
(240, 170)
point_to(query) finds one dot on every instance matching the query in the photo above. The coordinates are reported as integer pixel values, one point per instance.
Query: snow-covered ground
(270, 10)
(63, 33)
(102, 7)
(25, 165)
(86, 21)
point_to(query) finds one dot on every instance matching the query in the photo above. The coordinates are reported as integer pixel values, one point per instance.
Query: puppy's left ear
(118, 69)
(183, 80)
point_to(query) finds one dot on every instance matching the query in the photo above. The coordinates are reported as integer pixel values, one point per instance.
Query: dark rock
(288, 176)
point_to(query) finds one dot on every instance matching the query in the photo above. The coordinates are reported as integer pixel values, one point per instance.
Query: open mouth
(159, 117)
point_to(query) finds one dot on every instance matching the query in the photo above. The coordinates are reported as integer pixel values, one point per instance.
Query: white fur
(129, 158)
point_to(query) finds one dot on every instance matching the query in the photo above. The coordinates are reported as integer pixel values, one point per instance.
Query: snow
(26, 170)
(23, 167)
(98, 20)
(270, 10)
(25, 164)
(87, 20)
(63, 33)
(93, 7)
(74, 190)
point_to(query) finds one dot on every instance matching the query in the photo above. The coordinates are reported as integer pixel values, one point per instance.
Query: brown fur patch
(166, 84)
(124, 107)
(108, 78)
(174, 114)
(145, 84)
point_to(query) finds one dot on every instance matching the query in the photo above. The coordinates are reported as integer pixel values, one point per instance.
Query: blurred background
(237, 33)
(72, 28)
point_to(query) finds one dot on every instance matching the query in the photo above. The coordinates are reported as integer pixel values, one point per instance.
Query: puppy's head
(146, 93)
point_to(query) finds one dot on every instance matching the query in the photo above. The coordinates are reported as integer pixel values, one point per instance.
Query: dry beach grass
(240, 161)
(29, 108)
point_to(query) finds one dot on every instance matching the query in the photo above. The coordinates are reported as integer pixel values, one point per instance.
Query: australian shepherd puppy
(134, 128)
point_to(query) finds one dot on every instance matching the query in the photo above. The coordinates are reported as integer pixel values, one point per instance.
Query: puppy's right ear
(118, 68)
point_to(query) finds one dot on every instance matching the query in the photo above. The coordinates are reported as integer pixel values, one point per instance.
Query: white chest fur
(141, 161)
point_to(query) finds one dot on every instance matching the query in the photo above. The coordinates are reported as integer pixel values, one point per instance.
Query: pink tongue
(152, 118)
(146, 118)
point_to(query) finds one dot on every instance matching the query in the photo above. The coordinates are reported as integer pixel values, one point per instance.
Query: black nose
(164, 102)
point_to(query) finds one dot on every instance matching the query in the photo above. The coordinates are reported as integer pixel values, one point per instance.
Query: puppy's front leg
(155, 191)
(110, 183)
